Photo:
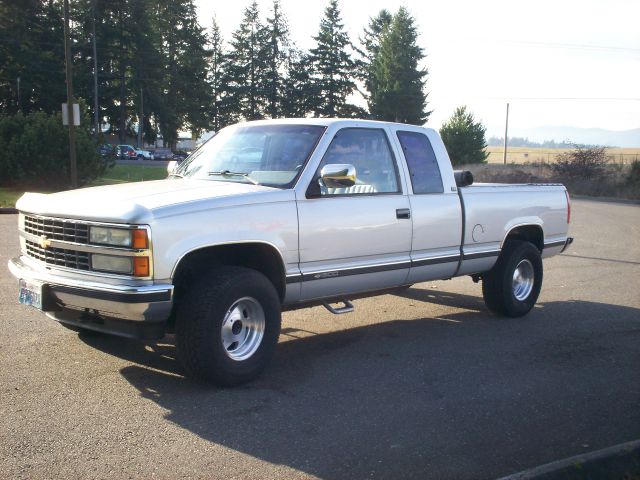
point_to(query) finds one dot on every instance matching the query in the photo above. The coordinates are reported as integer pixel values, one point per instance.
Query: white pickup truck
(277, 215)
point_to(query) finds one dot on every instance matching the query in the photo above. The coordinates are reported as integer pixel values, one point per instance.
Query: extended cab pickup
(275, 215)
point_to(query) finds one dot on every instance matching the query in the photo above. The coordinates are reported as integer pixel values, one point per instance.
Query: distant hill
(588, 136)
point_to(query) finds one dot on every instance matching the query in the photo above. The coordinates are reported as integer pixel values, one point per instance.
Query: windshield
(271, 155)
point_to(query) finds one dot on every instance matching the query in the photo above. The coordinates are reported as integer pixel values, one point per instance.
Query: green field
(117, 174)
(548, 155)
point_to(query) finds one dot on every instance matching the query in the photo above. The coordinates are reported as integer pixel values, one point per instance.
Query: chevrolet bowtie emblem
(44, 242)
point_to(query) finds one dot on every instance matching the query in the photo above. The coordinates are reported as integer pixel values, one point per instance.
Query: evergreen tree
(31, 49)
(246, 66)
(187, 98)
(464, 138)
(396, 81)
(219, 111)
(298, 97)
(370, 40)
(276, 38)
(332, 66)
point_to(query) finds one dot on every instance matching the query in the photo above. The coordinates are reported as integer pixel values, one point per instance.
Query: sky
(558, 63)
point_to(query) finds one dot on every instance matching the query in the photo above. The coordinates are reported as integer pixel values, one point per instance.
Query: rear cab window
(421, 160)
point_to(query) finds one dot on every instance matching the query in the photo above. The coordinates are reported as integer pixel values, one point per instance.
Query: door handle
(404, 213)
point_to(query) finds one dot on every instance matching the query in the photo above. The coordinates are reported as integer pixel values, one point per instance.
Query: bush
(34, 152)
(581, 163)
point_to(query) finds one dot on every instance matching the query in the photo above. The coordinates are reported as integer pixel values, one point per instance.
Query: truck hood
(141, 202)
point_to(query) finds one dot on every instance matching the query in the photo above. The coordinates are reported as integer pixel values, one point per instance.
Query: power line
(605, 99)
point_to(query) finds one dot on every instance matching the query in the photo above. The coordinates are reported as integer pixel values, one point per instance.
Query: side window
(367, 149)
(422, 163)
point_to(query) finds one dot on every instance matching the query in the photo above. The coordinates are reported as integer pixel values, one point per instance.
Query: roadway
(425, 384)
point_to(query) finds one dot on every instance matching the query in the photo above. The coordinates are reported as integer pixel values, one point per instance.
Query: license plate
(30, 294)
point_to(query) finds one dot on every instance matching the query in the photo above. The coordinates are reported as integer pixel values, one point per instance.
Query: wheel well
(529, 233)
(257, 256)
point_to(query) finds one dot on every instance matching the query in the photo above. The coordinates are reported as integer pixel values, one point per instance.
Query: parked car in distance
(180, 155)
(162, 154)
(106, 150)
(144, 154)
(126, 152)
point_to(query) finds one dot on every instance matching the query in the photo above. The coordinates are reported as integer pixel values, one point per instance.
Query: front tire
(227, 326)
(512, 286)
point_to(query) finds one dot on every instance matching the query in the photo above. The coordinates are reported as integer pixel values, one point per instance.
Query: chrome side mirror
(338, 175)
(170, 166)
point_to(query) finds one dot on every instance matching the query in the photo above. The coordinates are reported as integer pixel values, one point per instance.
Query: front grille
(60, 257)
(56, 229)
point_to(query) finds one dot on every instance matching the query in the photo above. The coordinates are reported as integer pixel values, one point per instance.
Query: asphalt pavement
(425, 384)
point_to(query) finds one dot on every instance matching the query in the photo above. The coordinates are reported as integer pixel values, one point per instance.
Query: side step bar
(347, 308)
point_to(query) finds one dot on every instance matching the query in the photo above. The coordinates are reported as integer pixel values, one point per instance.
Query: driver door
(357, 238)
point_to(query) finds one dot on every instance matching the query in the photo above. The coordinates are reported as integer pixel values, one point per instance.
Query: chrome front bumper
(75, 301)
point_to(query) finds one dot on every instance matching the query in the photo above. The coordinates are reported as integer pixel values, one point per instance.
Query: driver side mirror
(336, 175)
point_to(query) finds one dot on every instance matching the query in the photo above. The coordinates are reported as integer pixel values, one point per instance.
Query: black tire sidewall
(517, 252)
(198, 326)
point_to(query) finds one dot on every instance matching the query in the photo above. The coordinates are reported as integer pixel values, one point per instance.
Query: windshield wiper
(179, 175)
(228, 173)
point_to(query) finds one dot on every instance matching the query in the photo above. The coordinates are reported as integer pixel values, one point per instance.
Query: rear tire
(512, 286)
(227, 326)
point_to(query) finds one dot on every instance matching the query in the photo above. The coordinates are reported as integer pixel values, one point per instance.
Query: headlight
(111, 263)
(119, 237)
(110, 236)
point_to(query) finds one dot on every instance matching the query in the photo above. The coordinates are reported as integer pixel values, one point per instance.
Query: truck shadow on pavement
(464, 395)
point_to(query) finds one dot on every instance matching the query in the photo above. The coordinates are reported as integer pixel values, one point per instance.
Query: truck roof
(330, 121)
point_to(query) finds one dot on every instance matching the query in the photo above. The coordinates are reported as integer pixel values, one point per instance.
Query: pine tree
(276, 38)
(332, 66)
(370, 41)
(246, 66)
(298, 98)
(187, 98)
(219, 112)
(32, 49)
(464, 138)
(396, 80)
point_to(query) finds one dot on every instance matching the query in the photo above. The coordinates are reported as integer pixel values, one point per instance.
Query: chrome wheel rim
(242, 329)
(523, 279)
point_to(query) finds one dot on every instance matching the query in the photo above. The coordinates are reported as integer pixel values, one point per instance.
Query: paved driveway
(426, 384)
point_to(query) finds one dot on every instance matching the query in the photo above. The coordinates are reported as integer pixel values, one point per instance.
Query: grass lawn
(130, 173)
(117, 174)
(8, 197)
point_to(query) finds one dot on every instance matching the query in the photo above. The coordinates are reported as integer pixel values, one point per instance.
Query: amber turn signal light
(140, 239)
(141, 266)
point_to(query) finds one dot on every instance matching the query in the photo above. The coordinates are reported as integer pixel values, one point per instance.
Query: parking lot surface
(423, 384)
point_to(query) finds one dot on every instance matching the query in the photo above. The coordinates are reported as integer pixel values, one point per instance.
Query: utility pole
(72, 131)
(96, 108)
(141, 119)
(506, 132)
(19, 101)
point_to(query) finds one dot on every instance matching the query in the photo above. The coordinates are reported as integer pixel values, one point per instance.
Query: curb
(8, 210)
(617, 462)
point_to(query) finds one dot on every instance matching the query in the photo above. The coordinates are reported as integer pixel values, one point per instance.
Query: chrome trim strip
(86, 222)
(19, 269)
(558, 243)
(485, 254)
(434, 260)
(376, 268)
(89, 248)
